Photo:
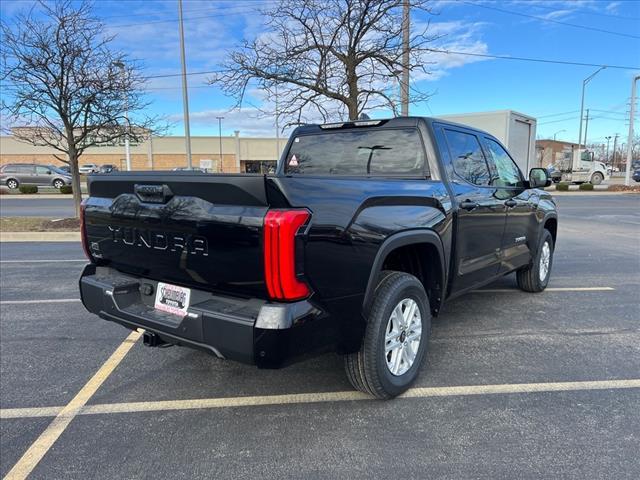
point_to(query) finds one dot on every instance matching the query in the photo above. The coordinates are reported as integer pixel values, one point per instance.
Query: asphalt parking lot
(515, 385)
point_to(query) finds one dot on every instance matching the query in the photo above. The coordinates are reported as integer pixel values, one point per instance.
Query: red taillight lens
(83, 231)
(280, 228)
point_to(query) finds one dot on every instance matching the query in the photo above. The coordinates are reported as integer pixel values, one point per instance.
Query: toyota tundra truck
(352, 246)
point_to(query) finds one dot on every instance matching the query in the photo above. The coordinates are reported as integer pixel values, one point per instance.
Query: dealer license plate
(172, 299)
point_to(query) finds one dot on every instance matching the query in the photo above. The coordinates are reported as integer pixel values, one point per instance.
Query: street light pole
(185, 96)
(632, 111)
(584, 84)
(220, 138)
(559, 131)
(404, 84)
(127, 147)
(606, 158)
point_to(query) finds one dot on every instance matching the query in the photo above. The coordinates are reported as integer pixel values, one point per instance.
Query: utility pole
(632, 111)
(185, 96)
(615, 146)
(127, 147)
(404, 83)
(606, 158)
(277, 129)
(220, 138)
(586, 127)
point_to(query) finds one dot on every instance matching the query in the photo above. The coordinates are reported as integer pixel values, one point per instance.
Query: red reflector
(83, 231)
(280, 228)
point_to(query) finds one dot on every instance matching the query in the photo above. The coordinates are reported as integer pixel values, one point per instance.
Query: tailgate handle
(153, 193)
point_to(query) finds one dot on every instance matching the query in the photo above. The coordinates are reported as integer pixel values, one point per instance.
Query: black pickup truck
(352, 246)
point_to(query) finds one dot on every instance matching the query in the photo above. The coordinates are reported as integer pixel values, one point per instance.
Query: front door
(480, 214)
(43, 175)
(521, 223)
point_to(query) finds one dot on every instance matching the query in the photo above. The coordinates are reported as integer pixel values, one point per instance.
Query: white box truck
(516, 131)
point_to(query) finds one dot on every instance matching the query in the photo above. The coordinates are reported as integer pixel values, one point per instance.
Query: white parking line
(26, 302)
(302, 398)
(45, 441)
(83, 260)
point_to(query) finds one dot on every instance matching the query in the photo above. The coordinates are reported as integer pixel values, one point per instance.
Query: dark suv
(13, 174)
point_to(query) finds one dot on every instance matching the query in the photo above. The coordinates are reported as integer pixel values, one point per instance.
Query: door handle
(510, 203)
(468, 205)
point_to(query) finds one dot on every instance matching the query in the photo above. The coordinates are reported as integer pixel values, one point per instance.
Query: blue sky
(148, 30)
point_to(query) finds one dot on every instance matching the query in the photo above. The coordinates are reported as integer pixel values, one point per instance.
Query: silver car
(14, 174)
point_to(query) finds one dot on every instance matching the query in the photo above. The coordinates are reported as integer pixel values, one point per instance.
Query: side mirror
(539, 178)
(49, 172)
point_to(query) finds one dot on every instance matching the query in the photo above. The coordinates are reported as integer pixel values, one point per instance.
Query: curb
(577, 193)
(39, 237)
(38, 196)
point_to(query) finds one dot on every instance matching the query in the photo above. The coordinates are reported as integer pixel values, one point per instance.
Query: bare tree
(65, 86)
(327, 58)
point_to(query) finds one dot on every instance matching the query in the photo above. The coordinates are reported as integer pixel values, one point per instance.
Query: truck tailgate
(203, 231)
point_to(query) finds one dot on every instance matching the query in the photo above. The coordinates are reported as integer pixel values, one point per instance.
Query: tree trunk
(75, 180)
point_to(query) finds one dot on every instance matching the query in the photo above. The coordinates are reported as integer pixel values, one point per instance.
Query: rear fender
(402, 239)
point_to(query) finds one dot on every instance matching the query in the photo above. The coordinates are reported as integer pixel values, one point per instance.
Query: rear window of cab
(357, 152)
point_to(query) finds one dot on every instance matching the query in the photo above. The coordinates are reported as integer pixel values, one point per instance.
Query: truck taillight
(83, 231)
(280, 229)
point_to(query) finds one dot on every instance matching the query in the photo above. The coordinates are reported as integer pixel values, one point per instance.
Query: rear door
(26, 174)
(521, 224)
(481, 214)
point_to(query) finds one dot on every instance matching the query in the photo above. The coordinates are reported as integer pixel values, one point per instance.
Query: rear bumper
(252, 331)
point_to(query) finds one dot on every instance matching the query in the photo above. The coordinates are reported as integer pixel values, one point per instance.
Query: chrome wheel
(58, 184)
(545, 260)
(402, 336)
(12, 184)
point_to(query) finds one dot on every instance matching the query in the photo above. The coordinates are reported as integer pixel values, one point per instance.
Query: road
(36, 207)
(143, 420)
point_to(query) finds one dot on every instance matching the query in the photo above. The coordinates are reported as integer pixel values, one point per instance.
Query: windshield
(56, 169)
(357, 152)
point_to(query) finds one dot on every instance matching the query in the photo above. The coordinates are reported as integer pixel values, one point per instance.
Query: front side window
(467, 157)
(42, 170)
(504, 171)
(357, 152)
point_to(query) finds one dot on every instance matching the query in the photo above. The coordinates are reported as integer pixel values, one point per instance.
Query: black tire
(57, 183)
(367, 369)
(529, 277)
(12, 183)
(597, 178)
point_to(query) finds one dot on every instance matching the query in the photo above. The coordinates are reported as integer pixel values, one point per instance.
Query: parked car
(352, 246)
(108, 168)
(89, 168)
(636, 175)
(14, 174)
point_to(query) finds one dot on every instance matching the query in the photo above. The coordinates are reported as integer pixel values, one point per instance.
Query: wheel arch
(551, 224)
(418, 252)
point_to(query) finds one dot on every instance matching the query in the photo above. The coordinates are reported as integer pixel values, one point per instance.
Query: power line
(550, 20)
(581, 12)
(528, 59)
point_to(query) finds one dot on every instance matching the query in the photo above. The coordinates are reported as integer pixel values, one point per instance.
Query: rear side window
(354, 152)
(24, 169)
(9, 169)
(467, 157)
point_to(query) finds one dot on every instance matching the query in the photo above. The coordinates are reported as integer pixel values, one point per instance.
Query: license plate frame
(172, 299)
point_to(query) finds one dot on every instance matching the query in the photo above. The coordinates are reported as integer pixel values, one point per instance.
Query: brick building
(239, 154)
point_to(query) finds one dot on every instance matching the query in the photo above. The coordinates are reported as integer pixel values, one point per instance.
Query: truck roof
(389, 122)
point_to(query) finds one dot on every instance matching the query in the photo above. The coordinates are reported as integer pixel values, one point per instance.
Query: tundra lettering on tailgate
(173, 242)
